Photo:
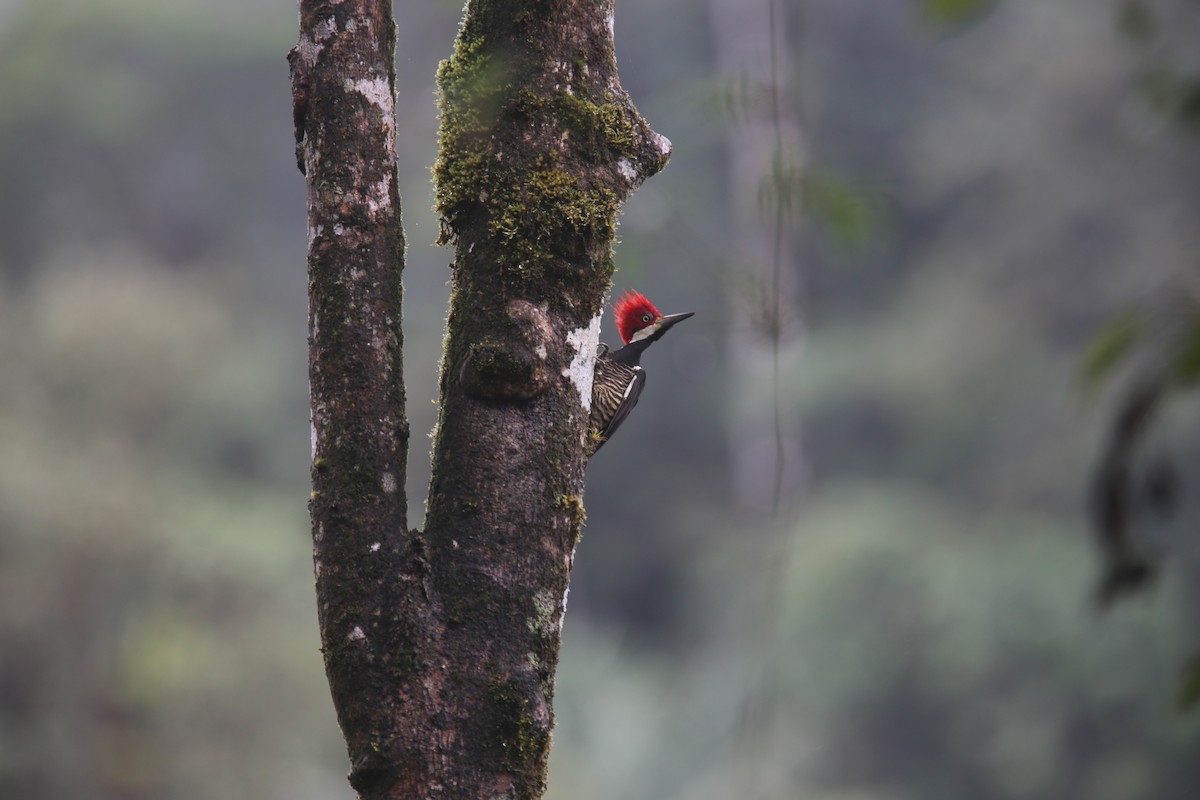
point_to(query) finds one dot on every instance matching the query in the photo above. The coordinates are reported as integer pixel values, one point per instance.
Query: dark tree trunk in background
(765, 151)
(441, 646)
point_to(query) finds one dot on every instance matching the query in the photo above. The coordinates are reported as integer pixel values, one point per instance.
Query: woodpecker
(619, 378)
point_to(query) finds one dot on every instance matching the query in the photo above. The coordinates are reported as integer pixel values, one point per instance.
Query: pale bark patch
(664, 144)
(625, 167)
(380, 196)
(378, 93)
(309, 48)
(582, 368)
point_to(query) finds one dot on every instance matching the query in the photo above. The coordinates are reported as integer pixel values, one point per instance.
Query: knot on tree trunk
(652, 152)
(519, 361)
(373, 775)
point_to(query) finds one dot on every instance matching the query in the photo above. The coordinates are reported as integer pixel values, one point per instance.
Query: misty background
(967, 193)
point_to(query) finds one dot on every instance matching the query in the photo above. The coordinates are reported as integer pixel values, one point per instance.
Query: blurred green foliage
(951, 13)
(1163, 32)
(1165, 362)
(854, 214)
(1157, 344)
(920, 628)
(154, 569)
(1189, 686)
(1111, 346)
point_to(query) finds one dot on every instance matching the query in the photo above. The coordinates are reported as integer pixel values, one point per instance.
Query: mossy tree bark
(441, 646)
(371, 607)
(539, 145)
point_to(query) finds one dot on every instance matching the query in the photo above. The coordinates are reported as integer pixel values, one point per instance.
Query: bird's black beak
(670, 319)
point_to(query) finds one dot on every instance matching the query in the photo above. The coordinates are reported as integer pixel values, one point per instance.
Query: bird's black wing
(632, 392)
(615, 391)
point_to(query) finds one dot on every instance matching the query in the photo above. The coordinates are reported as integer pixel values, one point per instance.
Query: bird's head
(638, 319)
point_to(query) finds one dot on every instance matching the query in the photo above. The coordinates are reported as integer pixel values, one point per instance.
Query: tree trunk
(765, 151)
(369, 602)
(441, 646)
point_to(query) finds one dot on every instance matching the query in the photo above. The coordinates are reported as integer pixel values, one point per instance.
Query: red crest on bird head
(633, 312)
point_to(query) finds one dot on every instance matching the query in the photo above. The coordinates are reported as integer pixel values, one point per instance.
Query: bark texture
(441, 647)
(539, 145)
(368, 566)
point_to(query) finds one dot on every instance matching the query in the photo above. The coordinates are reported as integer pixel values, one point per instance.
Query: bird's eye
(646, 318)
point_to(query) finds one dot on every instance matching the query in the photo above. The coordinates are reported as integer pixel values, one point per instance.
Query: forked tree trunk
(441, 646)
